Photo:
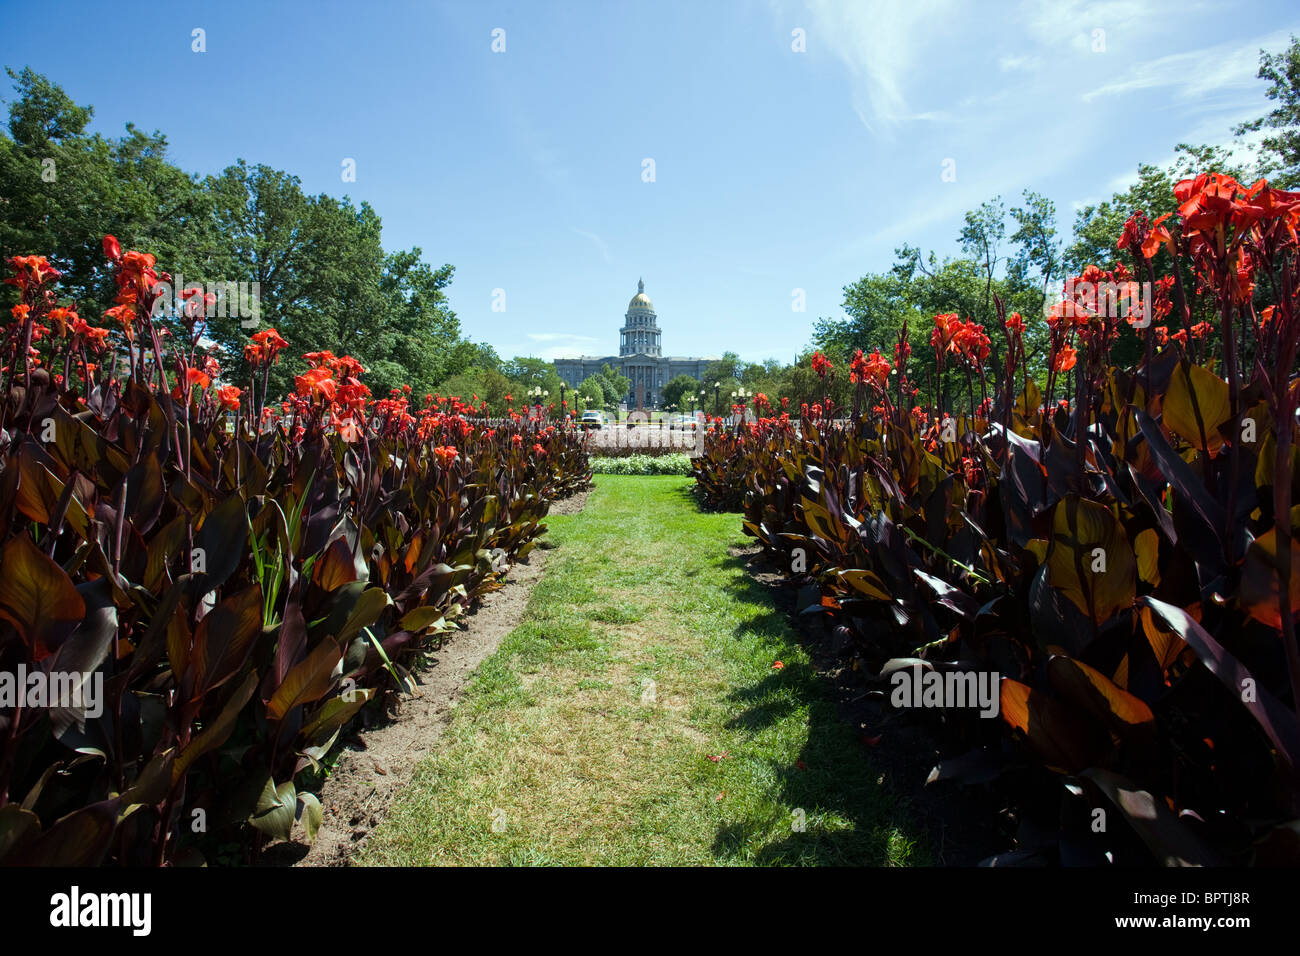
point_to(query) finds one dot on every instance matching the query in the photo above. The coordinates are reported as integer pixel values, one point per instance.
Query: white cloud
(1024, 62)
(600, 244)
(560, 352)
(1226, 67)
(1071, 22)
(879, 43)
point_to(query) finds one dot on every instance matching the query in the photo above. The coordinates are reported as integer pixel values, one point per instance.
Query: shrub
(675, 464)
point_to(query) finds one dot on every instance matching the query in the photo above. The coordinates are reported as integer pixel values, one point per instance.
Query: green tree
(615, 385)
(62, 190)
(425, 331)
(1281, 148)
(591, 395)
(726, 370)
(674, 390)
(1038, 248)
(527, 373)
(982, 232)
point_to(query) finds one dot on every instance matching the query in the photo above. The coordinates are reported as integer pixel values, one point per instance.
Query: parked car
(592, 419)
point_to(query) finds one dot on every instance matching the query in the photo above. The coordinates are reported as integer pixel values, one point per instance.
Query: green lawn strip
(585, 739)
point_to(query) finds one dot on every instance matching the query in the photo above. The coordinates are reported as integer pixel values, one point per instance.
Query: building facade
(640, 357)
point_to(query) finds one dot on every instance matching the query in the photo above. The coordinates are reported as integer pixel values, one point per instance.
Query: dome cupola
(640, 302)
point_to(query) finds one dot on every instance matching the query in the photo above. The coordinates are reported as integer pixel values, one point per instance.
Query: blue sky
(774, 170)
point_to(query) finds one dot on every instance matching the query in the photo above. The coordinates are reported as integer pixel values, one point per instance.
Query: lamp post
(742, 394)
(716, 406)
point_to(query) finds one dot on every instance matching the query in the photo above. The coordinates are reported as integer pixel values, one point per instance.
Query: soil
(377, 762)
(568, 506)
(961, 824)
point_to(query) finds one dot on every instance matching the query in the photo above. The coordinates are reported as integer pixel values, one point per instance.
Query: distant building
(640, 357)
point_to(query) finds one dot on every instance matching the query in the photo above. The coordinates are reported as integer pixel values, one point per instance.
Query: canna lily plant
(240, 576)
(1117, 543)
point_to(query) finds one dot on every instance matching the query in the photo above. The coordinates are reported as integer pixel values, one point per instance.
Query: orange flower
(945, 328)
(315, 381)
(62, 318)
(1065, 359)
(94, 337)
(30, 272)
(195, 377)
(877, 368)
(265, 346)
(1158, 234)
(228, 396)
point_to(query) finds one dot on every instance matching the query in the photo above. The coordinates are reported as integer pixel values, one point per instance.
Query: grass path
(645, 650)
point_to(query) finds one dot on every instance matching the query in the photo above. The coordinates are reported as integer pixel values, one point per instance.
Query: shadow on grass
(833, 776)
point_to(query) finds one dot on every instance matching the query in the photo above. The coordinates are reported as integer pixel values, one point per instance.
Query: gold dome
(640, 301)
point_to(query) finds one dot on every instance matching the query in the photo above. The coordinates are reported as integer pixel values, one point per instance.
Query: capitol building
(640, 357)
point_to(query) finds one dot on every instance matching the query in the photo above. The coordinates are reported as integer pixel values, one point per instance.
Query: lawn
(637, 716)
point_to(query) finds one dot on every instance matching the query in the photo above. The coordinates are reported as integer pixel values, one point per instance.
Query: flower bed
(238, 577)
(1108, 543)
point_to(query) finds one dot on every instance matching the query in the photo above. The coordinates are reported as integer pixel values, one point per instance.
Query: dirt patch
(570, 505)
(960, 822)
(379, 761)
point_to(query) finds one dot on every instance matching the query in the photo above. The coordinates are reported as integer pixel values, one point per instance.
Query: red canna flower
(1065, 359)
(1158, 236)
(228, 397)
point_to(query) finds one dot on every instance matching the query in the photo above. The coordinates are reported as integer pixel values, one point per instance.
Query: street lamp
(716, 407)
(742, 394)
